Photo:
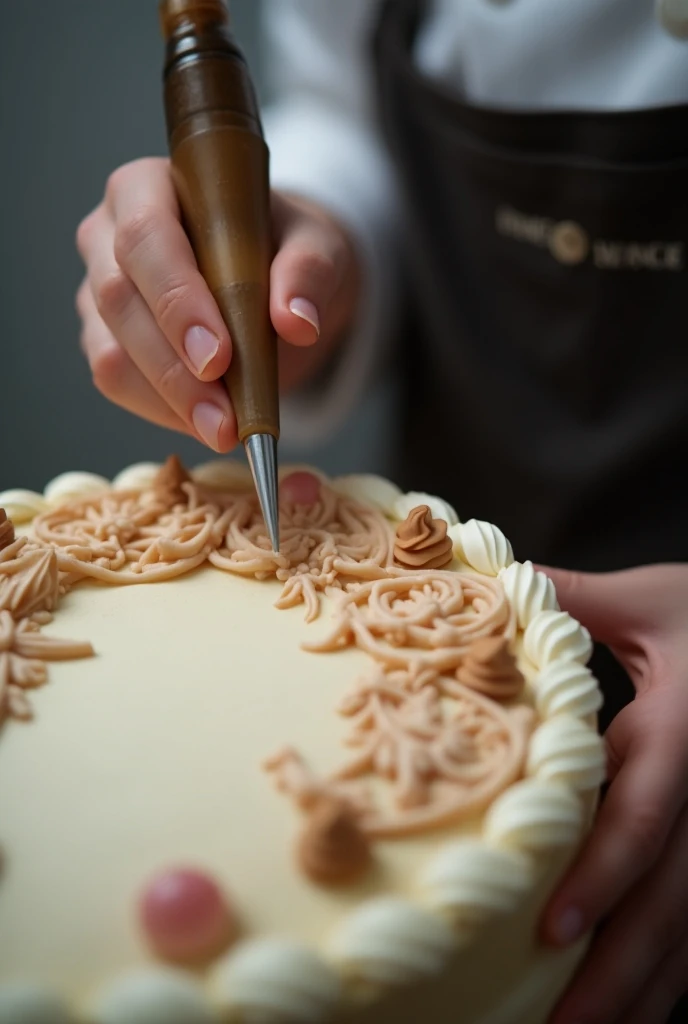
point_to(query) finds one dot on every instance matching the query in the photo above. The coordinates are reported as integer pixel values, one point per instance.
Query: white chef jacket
(524, 55)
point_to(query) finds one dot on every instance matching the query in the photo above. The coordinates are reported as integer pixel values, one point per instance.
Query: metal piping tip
(261, 451)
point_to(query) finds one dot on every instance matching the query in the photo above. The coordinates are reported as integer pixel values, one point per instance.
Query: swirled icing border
(386, 940)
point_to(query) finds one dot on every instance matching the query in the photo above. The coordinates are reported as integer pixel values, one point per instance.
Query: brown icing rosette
(490, 668)
(332, 849)
(6, 530)
(422, 542)
(167, 485)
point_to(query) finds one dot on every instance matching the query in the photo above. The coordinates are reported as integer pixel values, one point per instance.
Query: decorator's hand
(152, 332)
(631, 877)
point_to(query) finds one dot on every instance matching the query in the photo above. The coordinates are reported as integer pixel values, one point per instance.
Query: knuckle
(133, 232)
(113, 295)
(143, 169)
(121, 178)
(174, 295)
(114, 182)
(84, 232)
(318, 267)
(118, 181)
(169, 379)
(80, 299)
(149, 165)
(108, 371)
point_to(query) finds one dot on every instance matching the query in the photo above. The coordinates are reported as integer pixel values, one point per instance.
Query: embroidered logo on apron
(569, 243)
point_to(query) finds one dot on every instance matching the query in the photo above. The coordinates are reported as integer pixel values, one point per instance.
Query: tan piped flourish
(332, 849)
(167, 486)
(490, 668)
(422, 542)
(6, 530)
(29, 578)
(23, 653)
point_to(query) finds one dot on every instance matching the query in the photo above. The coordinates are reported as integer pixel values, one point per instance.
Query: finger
(655, 1005)
(115, 375)
(305, 274)
(632, 826)
(641, 943)
(203, 406)
(151, 247)
(86, 229)
(613, 604)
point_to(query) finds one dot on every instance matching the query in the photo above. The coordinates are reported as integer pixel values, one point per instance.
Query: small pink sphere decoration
(186, 918)
(300, 488)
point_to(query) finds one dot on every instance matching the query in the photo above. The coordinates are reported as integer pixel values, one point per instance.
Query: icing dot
(300, 488)
(186, 918)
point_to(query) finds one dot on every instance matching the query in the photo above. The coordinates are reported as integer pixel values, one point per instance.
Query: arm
(326, 148)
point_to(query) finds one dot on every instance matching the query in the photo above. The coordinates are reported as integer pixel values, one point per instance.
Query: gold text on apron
(568, 242)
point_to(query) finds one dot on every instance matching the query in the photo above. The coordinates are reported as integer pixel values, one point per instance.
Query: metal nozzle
(261, 451)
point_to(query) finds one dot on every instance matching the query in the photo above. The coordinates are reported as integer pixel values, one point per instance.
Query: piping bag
(220, 170)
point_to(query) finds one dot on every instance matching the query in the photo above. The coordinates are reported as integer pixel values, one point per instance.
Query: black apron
(546, 355)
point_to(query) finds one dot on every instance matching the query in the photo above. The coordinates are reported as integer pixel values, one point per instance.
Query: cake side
(494, 865)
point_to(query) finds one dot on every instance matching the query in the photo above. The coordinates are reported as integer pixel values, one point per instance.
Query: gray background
(80, 94)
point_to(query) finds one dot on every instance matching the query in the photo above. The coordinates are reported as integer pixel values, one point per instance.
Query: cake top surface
(338, 737)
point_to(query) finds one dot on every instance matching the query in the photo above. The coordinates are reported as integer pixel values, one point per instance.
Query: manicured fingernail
(200, 346)
(569, 927)
(305, 309)
(207, 419)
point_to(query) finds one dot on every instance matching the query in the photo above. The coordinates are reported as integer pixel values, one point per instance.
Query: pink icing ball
(300, 488)
(186, 917)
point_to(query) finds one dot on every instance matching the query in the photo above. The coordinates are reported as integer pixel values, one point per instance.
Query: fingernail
(569, 927)
(207, 419)
(200, 346)
(305, 309)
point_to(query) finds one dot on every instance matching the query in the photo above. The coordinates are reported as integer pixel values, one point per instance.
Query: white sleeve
(325, 145)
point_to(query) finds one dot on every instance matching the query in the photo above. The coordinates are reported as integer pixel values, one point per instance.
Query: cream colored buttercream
(137, 477)
(277, 979)
(69, 486)
(153, 996)
(21, 506)
(554, 636)
(223, 475)
(476, 881)
(528, 590)
(27, 1003)
(370, 489)
(390, 940)
(481, 546)
(567, 687)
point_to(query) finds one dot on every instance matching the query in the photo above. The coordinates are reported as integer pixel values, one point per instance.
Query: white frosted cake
(333, 784)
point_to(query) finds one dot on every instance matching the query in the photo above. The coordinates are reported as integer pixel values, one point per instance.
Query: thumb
(605, 603)
(306, 272)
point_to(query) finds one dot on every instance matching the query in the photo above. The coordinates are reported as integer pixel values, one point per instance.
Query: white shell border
(386, 940)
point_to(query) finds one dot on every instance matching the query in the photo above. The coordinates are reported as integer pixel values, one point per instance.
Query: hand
(632, 874)
(151, 330)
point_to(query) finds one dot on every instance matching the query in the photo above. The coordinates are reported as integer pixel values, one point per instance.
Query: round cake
(333, 783)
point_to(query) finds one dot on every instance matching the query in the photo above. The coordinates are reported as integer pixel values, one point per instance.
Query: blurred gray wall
(80, 94)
